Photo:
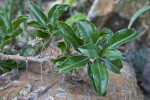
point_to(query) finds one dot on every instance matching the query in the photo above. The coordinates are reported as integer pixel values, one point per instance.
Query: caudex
(82, 38)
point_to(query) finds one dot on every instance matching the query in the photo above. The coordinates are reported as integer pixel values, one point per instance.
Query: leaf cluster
(96, 49)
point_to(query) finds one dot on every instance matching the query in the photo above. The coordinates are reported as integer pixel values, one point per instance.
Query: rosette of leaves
(46, 26)
(96, 49)
(9, 29)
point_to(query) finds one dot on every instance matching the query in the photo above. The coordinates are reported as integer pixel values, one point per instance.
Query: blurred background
(113, 14)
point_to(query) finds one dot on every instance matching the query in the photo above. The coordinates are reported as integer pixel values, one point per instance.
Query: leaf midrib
(76, 62)
(120, 41)
(87, 33)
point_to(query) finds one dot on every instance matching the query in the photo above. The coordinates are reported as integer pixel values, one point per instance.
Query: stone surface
(53, 87)
(103, 13)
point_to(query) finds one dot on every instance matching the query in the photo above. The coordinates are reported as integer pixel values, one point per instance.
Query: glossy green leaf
(75, 17)
(34, 24)
(73, 62)
(104, 34)
(69, 35)
(57, 62)
(112, 53)
(101, 39)
(77, 31)
(18, 21)
(90, 50)
(52, 29)
(38, 14)
(100, 77)
(88, 31)
(4, 42)
(105, 31)
(42, 34)
(120, 37)
(90, 74)
(3, 27)
(62, 46)
(6, 21)
(56, 11)
(114, 65)
(16, 32)
(137, 14)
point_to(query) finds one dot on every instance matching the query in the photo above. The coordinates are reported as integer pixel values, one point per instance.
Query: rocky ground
(21, 86)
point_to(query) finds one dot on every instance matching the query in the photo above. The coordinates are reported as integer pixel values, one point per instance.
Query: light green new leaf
(120, 37)
(18, 21)
(38, 14)
(88, 31)
(57, 62)
(69, 35)
(42, 34)
(90, 50)
(100, 77)
(112, 53)
(73, 62)
(114, 65)
(62, 46)
(56, 11)
(137, 14)
(75, 17)
(69, 2)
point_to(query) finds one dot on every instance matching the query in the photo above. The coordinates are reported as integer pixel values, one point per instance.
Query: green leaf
(69, 35)
(57, 62)
(56, 11)
(104, 34)
(38, 14)
(137, 14)
(88, 31)
(112, 53)
(103, 38)
(105, 31)
(3, 27)
(34, 24)
(4, 42)
(100, 77)
(90, 50)
(18, 21)
(90, 74)
(77, 31)
(73, 62)
(52, 29)
(42, 34)
(6, 21)
(69, 2)
(16, 32)
(114, 65)
(62, 46)
(120, 38)
(75, 17)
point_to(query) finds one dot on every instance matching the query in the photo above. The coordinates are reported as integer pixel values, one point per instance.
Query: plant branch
(22, 58)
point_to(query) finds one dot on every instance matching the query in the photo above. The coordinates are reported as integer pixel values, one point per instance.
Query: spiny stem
(41, 71)
(26, 66)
